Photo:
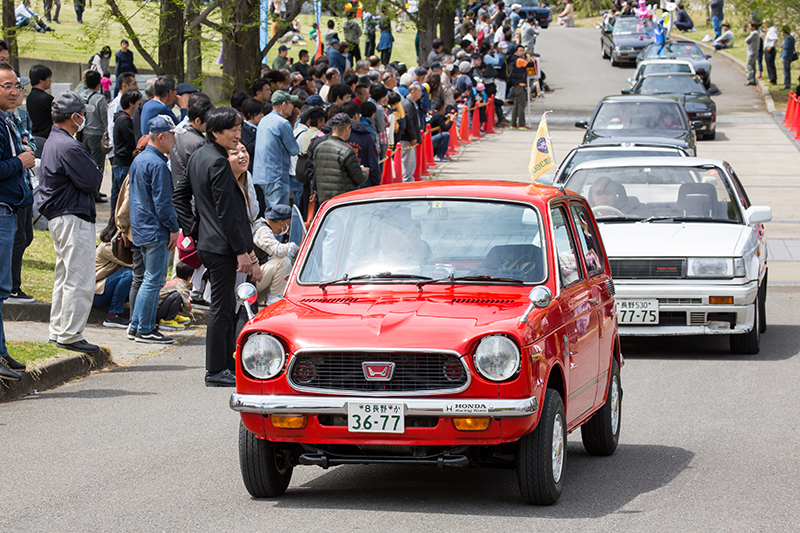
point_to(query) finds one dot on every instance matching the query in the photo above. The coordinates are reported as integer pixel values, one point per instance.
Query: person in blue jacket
(788, 56)
(166, 96)
(363, 143)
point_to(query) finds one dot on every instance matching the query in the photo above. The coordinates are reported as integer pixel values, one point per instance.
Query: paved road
(709, 440)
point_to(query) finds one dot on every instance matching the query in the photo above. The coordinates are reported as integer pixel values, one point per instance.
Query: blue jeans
(8, 228)
(440, 143)
(116, 292)
(118, 173)
(787, 72)
(276, 193)
(717, 23)
(156, 259)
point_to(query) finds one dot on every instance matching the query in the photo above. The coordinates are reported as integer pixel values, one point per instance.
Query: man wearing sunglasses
(14, 195)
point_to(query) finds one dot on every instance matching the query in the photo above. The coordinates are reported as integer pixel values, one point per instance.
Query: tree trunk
(426, 25)
(447, 24)
(170, 39)
(10, 31)
(194, 57)
(241, 64)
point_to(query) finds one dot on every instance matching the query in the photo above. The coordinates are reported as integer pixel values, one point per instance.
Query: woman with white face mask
(278, 255)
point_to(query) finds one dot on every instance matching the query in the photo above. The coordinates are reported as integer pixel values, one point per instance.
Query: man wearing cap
(281, 61)
(192, 135)
(338, 56)
(275, 223)
(154, 225)
(14, 195)
(68, 179)
(166, 96)
(275, 144)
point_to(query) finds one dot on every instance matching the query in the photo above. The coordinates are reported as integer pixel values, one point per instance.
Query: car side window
(590, 247)
(738, 186)
(568, 265)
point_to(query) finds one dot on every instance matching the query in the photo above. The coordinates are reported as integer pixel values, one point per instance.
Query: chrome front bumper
(337, 405)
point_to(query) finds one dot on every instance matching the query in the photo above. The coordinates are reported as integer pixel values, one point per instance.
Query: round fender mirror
(540, 297)
(246, 292)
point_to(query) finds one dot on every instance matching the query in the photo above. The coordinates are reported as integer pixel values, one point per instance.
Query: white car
(687, 249)
(661, 66)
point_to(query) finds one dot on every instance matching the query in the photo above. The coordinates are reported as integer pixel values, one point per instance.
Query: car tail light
(289, 421)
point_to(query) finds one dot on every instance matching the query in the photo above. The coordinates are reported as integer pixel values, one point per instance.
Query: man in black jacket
(38, 102)
(221, 231)
(412, 135)
(364, 144)
(124, 142)
(192, 137)
(69, 178)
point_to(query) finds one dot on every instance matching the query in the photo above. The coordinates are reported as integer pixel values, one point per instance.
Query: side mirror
(627, 91)
(247, 294)
(582, 124)
(540, 298)
(697, 124)
(707, 56)
(757, 214)
(630, 81)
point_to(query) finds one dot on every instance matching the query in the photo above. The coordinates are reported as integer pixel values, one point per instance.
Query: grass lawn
(75, 42)
(33, 353)
(38, 265)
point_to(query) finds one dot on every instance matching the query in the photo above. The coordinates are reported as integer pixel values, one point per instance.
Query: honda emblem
(378, 371)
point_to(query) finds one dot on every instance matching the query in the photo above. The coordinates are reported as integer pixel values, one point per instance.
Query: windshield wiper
(379, 275)
(617, 219)
(482, 277)
(688, 219)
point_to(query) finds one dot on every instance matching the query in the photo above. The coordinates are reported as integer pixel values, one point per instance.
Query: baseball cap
(333, 41)
(161, 124)
(464, 67)
(70, 102)
(281, 96)
(278, 212)
(516, 6)
(283, 48)
(436, 64)
(184, 88)
(315, 100)
(339, 119)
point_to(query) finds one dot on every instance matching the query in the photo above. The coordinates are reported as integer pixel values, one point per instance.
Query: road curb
(55, 373)
(40, 312)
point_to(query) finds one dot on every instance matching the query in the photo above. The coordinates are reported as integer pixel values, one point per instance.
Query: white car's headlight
(715, 267)
(497, 358)
(263, 356)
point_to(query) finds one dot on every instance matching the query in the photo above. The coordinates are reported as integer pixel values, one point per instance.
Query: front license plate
(376, 417)
(637, 311)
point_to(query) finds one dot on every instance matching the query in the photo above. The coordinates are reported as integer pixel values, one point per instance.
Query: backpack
(91, 60)
(302, 163)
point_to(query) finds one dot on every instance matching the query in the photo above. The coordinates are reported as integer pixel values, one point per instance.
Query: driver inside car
(607, 197)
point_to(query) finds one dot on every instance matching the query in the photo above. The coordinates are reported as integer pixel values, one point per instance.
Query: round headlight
(497, 358)
(263, 356)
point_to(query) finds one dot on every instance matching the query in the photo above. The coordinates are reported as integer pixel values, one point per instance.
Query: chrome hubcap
(614, 392)
(558, 448)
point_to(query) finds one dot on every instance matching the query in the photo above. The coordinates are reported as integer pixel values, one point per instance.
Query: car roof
(687, 162)
(670, 75)
(634, 98)
(656, 61)
(500, 190)
(625, 145)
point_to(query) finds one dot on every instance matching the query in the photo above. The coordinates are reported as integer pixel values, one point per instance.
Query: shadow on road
(90, 394)
(779, 343)
(156, 368)
(594, 486)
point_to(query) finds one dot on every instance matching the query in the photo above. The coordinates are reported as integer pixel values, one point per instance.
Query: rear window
(618, 118)
(631, 25)
(582, 156)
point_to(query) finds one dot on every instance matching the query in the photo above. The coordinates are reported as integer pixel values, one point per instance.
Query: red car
(448, 323)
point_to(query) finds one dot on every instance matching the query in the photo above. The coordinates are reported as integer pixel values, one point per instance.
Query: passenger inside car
(606, 193)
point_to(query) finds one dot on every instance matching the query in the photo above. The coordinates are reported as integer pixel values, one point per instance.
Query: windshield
(658, 68)
(676, 51)
(631, 25)
(639, 193)
(618, 119)
(582, 156)
(670, 85)
(427, 239)
(528, 3)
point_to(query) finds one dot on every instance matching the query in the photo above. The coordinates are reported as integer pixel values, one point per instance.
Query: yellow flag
(541, 151)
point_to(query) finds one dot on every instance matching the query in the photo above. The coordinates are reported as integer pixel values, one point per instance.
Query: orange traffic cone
(398, 164)
(429, 147)
(463, 134)
(386, 177)
(452, 147)
(790, 109)
(490, 116)
(475, 131)
(420, 163)
(423, 156)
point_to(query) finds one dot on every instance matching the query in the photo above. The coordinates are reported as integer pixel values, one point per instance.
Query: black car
(612, 149)
(636, 118)
(543, 14)
(623, 38)
(681, 50)
(690, 90)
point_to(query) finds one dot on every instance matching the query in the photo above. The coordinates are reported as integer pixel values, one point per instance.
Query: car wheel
(614, 62)
(762, 312)
(600, 434)
(603, 50)
(749, 343)
(541, 454)
(259, 462)
(710, 136)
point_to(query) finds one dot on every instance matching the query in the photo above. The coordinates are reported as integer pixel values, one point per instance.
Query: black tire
(749, 343)
(762, 324)
(540, 480)
(614, 62)
(603, 50)
(710, 136)
(260, 472)
(600, 434)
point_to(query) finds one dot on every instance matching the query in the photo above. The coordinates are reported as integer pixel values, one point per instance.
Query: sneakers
(226, 378)
(79, 346)
(9, 375)
(131, 334)
(153, 337)
(170, 325)
(13, 364)
(116, 321)
(17, 296)
(180, 319)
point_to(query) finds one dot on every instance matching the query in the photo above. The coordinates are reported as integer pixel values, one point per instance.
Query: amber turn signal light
(720, 300)
(289, 421)
(471, 424)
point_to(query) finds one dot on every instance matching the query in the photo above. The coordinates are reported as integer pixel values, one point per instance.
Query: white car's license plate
(637, 311)
(376, 417)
